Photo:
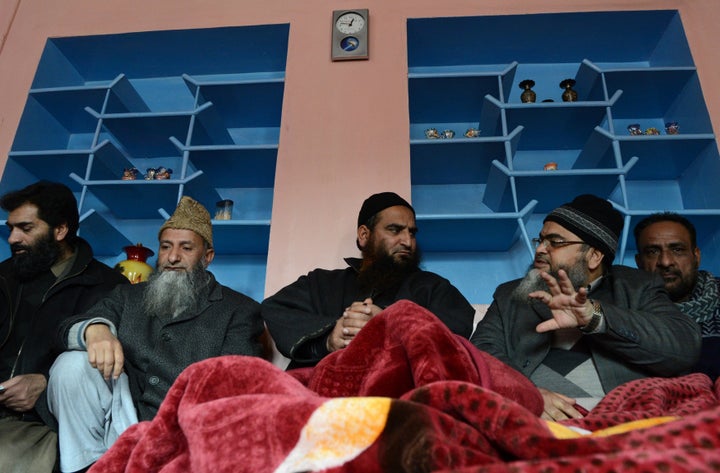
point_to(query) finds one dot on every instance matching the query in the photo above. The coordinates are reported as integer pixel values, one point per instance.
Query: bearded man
(139, 338)
(576, 325)
(322, 311)
(50, 276)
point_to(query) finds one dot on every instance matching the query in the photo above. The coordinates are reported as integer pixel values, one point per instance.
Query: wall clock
(349, 34)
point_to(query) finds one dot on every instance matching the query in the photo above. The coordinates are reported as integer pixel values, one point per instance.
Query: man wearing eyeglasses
(578, 326)
(667, 245)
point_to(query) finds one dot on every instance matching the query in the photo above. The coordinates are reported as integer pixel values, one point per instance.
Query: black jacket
(301, 315)
(86, 282)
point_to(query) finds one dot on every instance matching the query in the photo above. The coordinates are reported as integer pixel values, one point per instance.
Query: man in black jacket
(50, 276)
(323, 311)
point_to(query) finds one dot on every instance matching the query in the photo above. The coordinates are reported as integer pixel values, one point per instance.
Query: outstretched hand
(570, 307)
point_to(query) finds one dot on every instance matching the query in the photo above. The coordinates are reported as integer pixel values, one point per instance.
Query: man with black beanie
(322, 311)
(578, 326)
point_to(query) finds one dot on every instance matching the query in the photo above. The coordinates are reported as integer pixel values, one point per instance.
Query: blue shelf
(206, 103)
(481, 200)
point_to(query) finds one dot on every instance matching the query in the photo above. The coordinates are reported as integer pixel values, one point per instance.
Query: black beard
(381, 274)
(37, 258)
(174, 292)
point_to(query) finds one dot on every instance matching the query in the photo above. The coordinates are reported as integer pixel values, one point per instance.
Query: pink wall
(345, 125)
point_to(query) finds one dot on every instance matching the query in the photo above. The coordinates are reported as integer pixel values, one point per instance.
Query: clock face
(350, 23)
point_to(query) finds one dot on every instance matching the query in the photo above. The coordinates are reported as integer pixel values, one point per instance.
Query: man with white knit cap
(131, 346)
(578, 326)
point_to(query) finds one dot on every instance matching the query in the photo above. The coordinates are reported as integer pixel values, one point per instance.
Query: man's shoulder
(626, 274)
(236, 297)
(507, 286)
(105, 273)
(424, 275)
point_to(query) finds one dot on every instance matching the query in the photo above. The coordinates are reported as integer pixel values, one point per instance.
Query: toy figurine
(130, 174)
(163, 173)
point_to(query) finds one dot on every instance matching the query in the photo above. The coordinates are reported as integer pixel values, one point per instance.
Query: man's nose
(665, 259)
(174, 256)
(406, 238)
(14, 236)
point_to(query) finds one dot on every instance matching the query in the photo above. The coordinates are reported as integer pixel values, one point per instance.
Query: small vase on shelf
(528, 95)
(135, 267)
(569, 95)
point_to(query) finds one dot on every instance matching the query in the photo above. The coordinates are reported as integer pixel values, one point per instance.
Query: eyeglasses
(554, 243)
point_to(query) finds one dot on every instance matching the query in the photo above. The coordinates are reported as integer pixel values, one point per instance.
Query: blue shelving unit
(480, 200)
(205, 103)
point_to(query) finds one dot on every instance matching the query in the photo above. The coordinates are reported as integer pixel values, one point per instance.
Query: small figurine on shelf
(634, 129)
(672, 128)
(528, 95)
(472, 133)
(130, 174)
(150, 174)
(550, 166)
(569, 95)
(652, 131)
(448, 134)
(163, 173)
(432, 133)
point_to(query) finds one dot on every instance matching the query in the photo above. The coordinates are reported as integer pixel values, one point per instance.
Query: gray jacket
(156, 351)
(645, 334)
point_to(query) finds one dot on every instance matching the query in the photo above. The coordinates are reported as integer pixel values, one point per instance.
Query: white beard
(174, 292)
(577, 273)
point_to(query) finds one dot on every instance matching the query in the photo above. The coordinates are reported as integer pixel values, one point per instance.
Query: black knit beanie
(593, 219)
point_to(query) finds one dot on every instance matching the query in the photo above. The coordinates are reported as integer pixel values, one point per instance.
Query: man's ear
(363, 235)
(209, 256)
(60, 232)
(594, 259)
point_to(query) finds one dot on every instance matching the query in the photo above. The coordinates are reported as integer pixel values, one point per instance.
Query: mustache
(19, 246)
(542, 259)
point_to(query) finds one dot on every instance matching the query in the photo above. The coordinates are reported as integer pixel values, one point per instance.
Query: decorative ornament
(472, 133)
(672, 128)
(163, 173)
(528, 95)
(135, 267)
(569, 95)
(448, 134)
(432, 133)
(634, 129)
(652, 131)
(130, 174)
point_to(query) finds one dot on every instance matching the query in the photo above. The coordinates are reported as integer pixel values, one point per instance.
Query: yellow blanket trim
(563, 432)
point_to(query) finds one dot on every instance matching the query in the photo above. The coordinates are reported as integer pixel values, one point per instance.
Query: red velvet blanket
(407, 395)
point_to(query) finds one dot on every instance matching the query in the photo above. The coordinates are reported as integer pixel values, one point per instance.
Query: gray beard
(577, 273)
(173, 293)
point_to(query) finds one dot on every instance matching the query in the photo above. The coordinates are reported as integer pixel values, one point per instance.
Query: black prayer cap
(376, 203)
